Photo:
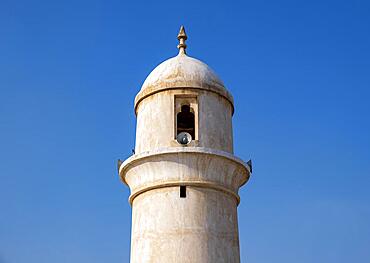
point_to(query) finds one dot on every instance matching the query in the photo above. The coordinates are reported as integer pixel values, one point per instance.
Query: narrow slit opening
(182, 191)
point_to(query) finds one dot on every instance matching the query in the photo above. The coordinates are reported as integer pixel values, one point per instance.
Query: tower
(183, 177)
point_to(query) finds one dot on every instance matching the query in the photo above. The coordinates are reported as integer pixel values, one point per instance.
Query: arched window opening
(186, 121)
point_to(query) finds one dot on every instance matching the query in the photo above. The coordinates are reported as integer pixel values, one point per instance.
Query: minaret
(183, 177)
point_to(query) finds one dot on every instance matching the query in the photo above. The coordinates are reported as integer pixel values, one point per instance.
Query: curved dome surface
(182, 71)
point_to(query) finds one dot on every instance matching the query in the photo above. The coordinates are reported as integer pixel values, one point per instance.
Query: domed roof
(182, 71)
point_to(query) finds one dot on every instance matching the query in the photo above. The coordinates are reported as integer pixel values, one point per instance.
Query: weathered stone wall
(156, 121)
(201, 228)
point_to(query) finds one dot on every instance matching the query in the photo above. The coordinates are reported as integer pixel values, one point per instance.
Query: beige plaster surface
(156, 121)
(202, 227)
(181, 72)
(199, 228)
(196, 166)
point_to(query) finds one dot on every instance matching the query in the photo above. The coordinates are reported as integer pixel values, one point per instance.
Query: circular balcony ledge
(223, 182)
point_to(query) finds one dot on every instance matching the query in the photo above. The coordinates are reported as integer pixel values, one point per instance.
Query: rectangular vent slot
(182, 191)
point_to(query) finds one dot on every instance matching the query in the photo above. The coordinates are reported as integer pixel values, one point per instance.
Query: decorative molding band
(180, 150)
(221, 92)
(200, 184)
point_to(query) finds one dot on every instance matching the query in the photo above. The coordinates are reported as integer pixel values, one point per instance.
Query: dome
(182, 71)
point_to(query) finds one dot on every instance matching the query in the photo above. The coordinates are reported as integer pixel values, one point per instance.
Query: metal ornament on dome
(182, 37)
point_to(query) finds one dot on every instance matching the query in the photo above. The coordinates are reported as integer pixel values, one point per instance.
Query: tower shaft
(184, 193)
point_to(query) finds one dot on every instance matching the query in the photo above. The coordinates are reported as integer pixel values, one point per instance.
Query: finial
(182, 37)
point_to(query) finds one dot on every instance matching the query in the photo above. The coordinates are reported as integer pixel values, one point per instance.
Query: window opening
(186, 121)
(182, 191)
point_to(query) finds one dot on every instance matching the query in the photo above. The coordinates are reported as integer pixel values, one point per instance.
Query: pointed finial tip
(182, 33)
(182, 37)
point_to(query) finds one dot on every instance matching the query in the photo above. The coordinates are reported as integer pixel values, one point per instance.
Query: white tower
(183, 177)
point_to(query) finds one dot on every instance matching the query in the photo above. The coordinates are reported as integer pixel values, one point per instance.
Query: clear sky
(299, 72)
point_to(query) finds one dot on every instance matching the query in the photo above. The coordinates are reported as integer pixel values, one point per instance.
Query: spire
(182, 37)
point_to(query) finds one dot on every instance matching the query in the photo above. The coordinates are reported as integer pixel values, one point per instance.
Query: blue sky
(300, 75)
